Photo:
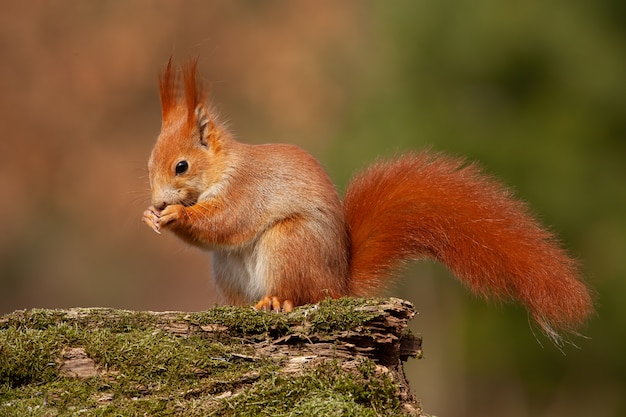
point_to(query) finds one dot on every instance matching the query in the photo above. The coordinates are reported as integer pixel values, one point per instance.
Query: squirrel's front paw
(157, 219)
(169, 215)
(151, 218)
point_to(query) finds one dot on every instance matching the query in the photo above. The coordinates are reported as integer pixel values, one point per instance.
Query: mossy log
(337, 358)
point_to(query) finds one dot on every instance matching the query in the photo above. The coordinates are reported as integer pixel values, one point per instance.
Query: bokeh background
(533, 90)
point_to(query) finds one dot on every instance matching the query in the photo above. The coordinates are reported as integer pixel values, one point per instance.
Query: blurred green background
(533, 90)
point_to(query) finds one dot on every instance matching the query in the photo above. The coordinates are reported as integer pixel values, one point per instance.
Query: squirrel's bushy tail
(428, 205)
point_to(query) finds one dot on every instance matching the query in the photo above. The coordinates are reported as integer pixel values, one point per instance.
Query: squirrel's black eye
(181, 167)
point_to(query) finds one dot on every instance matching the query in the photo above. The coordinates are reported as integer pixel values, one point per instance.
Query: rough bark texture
(340, 357)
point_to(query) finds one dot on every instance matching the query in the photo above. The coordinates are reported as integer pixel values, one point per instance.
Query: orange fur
(278, 229)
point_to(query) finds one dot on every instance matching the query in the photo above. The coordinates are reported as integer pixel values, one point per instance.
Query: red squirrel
(279, 232)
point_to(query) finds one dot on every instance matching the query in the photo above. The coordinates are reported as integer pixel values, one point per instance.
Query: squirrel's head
(187, 158)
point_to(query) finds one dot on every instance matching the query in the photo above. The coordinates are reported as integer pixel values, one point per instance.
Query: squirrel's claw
(274, 303)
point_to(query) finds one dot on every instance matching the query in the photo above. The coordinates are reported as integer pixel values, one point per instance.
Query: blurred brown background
(534, 90)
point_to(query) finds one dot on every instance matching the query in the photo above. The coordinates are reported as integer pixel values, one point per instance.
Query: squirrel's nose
(160, 205)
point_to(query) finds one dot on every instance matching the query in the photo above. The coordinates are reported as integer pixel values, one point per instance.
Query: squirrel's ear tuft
(194, 91)
(168, 89)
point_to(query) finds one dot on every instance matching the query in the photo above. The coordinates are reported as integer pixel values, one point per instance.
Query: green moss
(33, 319)
(150, 366)
(244, 320)
(27, 356)
(340, 315)
(323, 390)
(120, 322)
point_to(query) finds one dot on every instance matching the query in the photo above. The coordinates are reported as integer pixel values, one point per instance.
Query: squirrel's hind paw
(275, 304)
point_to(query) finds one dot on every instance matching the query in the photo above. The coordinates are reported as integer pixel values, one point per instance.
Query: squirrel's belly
(239, 275)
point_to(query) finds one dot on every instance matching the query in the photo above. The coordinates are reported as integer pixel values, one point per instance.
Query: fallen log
(338, 357)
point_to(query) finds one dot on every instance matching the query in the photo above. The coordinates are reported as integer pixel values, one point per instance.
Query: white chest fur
(241, 275)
